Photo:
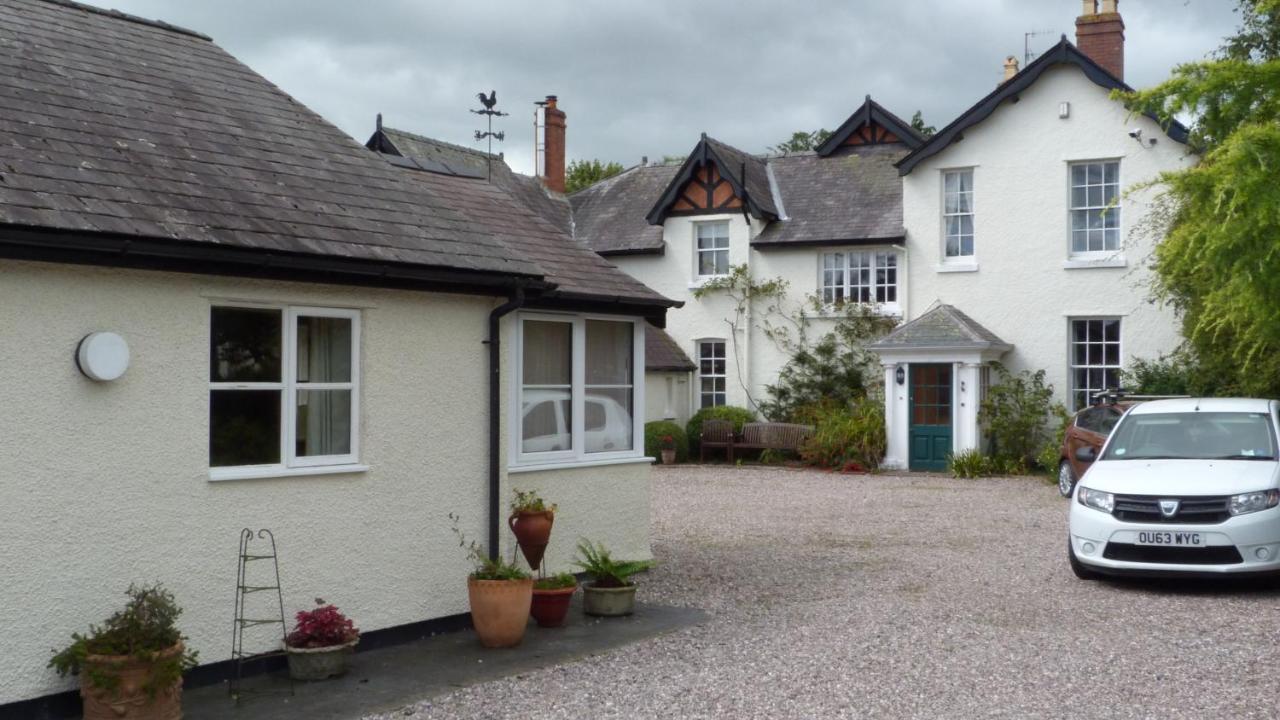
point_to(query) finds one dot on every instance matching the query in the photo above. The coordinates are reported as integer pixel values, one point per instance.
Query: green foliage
(801, 141)
(585, 173)
(976, 464)
(529, 501)
(485, 567)
(739, 416)
(145, 627)
(655, 431)
(596, 561)
(834, 371)
(556, 582)
(845, 437)
(1051, 453)
(1218, 262)
(1018, 413)
(917, 124)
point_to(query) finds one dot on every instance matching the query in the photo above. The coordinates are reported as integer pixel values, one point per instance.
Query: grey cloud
(644, 77)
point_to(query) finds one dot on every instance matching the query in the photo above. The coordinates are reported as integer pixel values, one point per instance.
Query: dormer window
(713, 248)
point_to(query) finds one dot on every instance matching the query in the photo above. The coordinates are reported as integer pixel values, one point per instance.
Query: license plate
(1160, 537)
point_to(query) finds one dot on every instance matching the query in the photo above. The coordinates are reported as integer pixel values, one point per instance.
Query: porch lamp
(900, 375)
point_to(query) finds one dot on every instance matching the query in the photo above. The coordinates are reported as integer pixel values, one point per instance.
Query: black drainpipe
(495, 389)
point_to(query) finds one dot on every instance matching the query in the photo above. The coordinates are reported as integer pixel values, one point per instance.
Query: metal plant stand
(260, 613)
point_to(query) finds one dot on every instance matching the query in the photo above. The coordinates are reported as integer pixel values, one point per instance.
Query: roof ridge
(446, 143)
(116, 14)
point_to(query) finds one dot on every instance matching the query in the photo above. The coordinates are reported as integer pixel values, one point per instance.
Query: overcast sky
(645, 77)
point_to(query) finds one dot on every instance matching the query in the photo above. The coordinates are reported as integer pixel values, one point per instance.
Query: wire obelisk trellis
(489, 102)
(261, 615)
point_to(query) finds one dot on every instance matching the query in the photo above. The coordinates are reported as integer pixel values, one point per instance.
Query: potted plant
(500, 594)
(612, 593)
(131, 666)
(321, 641)
(531, 519)
(551, 596)
(668, 449)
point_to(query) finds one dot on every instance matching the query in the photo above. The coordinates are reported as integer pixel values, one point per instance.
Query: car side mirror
(1086, 454)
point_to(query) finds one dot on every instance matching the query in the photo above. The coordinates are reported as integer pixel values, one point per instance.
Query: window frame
(961, 259)
(1072, 389)
(698, 276)
(577, 454)
(1072, 253)
(288, 385)
(698, 355)
(888, 307)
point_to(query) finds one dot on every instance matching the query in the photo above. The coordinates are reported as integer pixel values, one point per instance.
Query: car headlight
(1096, 499)
(1253, 501)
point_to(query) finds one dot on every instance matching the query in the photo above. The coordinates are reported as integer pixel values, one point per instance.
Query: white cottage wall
(108, 483)
(1024, 287)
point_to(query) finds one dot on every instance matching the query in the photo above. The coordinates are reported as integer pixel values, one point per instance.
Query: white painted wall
(106, 484)
(667, 396)
(1021, 289)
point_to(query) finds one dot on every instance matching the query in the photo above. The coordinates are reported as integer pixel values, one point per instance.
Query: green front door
(930, 433)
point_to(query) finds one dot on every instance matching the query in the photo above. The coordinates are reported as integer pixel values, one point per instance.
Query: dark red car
(1088, 429)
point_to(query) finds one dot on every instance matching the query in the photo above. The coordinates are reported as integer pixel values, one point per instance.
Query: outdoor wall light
(900, 375)
(102, 356)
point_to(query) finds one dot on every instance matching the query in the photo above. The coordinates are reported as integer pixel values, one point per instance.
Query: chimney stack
(1100, 34)
(1010, 67)
(553, 143)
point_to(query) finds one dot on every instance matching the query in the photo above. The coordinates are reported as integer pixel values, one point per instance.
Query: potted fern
(551, 596)
(500, 594)
(132, 665)
(531, 520)
(321, 641)
(611, 593)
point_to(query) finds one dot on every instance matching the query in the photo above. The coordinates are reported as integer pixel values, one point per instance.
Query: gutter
(495, 389)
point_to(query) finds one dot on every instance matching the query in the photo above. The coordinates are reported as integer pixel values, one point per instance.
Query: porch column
(968, 397)
(895, 420)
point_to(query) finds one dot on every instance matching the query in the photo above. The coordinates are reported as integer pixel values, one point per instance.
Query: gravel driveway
(852, 596)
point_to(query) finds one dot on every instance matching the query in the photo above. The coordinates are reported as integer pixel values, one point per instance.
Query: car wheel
(1078, 567)
(1066, 479)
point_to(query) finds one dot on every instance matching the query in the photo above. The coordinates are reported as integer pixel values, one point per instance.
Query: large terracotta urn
(500, 610)
(130, 700)
(532, 530)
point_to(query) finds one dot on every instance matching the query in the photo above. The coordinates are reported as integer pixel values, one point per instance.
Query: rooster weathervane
(489, 102)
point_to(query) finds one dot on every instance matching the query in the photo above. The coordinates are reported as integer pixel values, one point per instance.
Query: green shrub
(1018, 413)
(976, 464)
(1051, 453)
(846, 438)
(596, 561)
(737, 415)
(658, 429)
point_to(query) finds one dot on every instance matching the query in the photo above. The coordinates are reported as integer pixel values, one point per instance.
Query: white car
(1187, 486)
(545, 415)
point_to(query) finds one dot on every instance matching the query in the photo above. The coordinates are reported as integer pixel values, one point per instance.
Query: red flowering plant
(668, 442)
(325, 626)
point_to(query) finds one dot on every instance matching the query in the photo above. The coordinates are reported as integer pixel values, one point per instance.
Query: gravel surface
(913, 597)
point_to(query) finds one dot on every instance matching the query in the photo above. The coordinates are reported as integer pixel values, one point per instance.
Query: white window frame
(1071, 357)
(1104, 253)
(698, 252)
(699, 393)
(290, 463)
(891, 307)
(578, 454)
(972, 257)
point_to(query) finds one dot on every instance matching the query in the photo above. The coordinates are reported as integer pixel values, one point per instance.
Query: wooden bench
(755, 436)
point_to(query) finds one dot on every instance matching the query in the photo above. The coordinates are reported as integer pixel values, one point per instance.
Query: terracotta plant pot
(319, 663)
(532, 530)
(608, 601)
(551, 606)
(130, 701)
(500, 610)
(668, 457)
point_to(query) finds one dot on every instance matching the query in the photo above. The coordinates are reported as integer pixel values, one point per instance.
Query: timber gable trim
(871, 124)
(706, 183)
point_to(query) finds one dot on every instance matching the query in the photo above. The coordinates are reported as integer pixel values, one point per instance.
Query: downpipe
(495, 404)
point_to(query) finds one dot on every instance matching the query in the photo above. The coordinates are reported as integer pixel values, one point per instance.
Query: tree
(1219, 262)
(800, 141)
(585, 173)
(917, 124)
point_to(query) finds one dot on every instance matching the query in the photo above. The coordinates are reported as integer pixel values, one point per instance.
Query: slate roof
(609, 216)
(851, 197)
(942, 326)
(663, 354)
(1064, 53)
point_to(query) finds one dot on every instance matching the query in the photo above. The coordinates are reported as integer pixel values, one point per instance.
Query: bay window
(283, 388)
(577, 387)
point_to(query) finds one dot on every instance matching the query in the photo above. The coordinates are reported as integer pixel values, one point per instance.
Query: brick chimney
(1100, 34)
(553, 144)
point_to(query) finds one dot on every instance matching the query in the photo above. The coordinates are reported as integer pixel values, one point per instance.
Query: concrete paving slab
(388, 678)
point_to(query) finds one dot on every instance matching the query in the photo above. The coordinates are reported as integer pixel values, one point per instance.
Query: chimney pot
(1090, 8)
(1109, 7)
(1010, 67)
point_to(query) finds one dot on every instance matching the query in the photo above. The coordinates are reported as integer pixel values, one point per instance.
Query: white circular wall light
(102, 356)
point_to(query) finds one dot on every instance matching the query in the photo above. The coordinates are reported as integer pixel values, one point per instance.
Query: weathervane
(488, 110)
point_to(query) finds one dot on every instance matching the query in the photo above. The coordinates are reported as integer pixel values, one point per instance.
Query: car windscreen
(1193, 435)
